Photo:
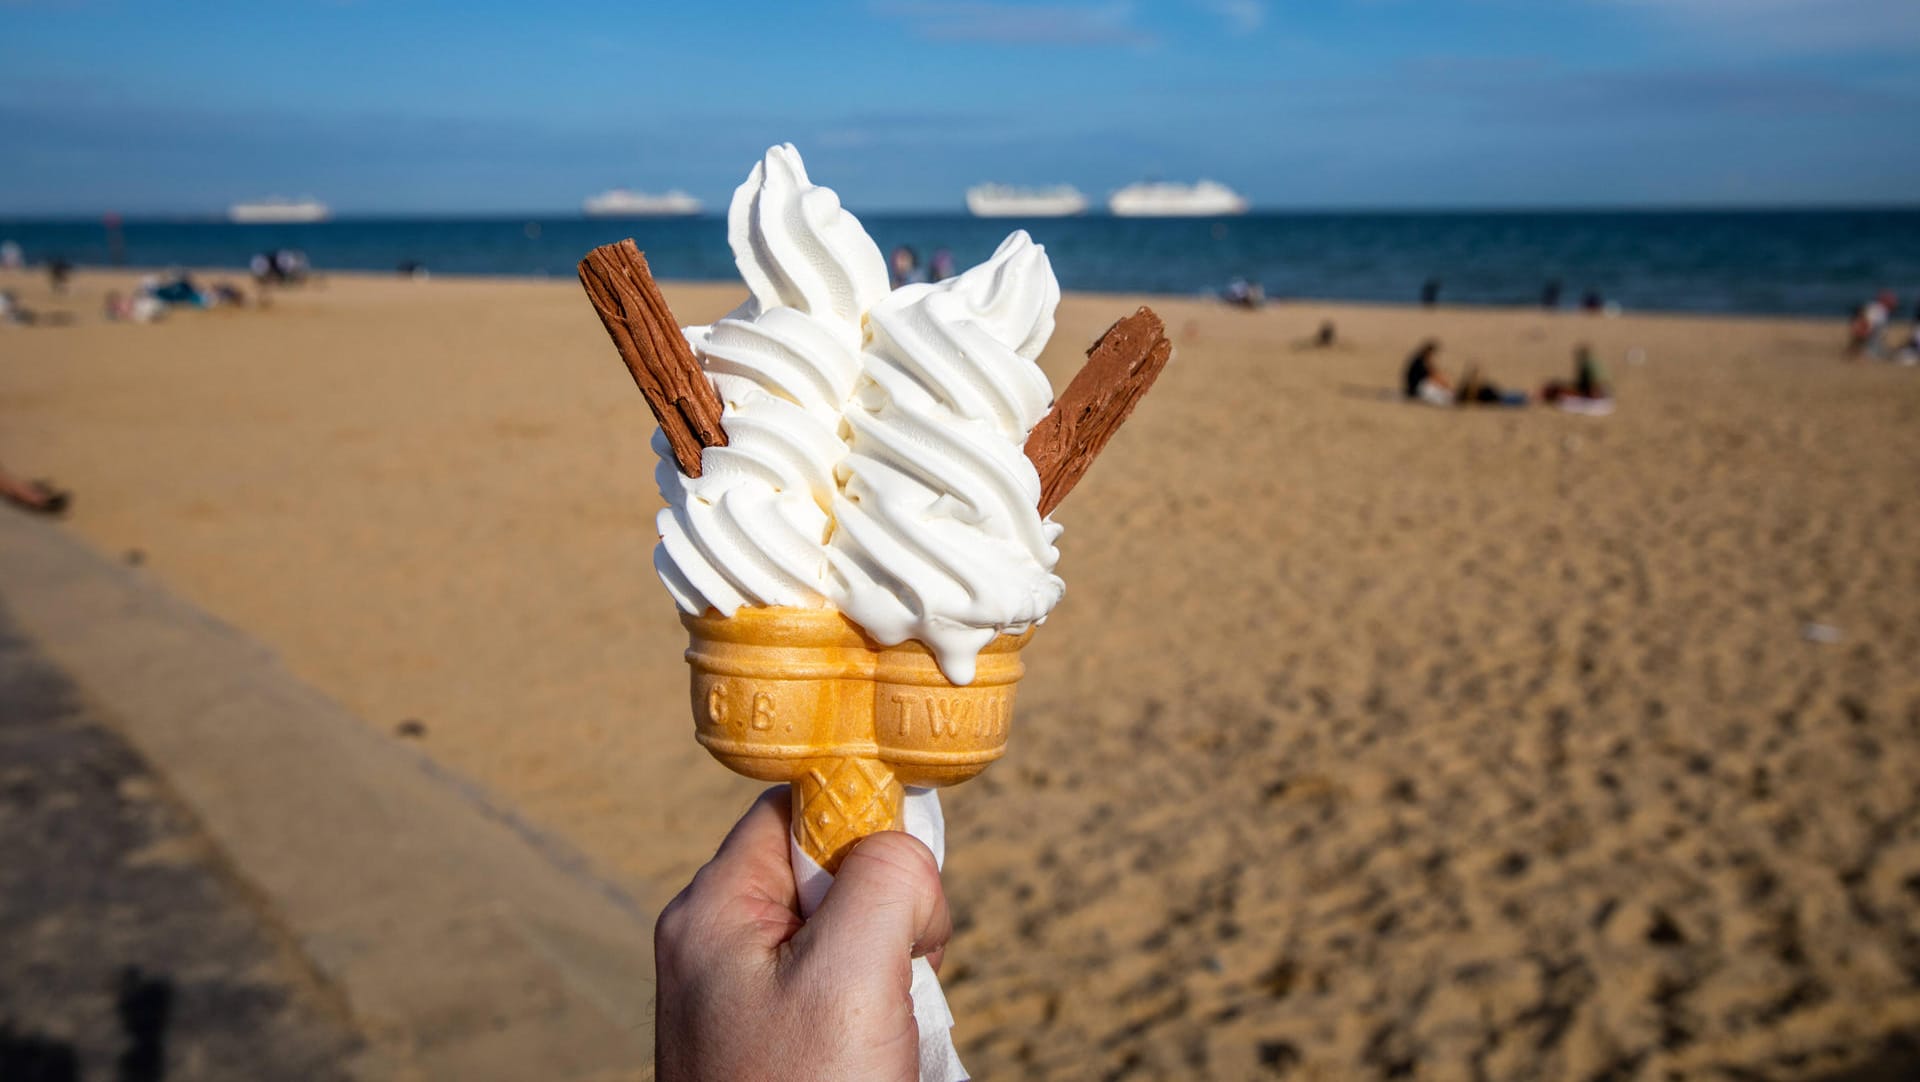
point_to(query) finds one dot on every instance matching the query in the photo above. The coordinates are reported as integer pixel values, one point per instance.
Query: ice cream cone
(805, 697)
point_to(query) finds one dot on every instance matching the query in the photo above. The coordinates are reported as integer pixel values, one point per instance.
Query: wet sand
(1371, 740)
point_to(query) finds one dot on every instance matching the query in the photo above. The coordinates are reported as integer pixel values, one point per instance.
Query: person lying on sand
(139, 307)
(1478, 390)
(1424, 382)
(39, 497)
(12, 311)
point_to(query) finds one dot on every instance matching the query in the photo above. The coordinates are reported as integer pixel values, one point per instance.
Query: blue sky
(478, 106)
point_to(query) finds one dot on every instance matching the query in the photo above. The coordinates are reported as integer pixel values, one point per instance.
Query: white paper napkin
(938, 1060)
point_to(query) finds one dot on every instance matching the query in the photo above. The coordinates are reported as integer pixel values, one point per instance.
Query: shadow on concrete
(128, 951)
(144, 1005)
(25, 1057)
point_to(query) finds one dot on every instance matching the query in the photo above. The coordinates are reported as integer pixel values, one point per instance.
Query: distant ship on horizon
(624, 203)
(1006, 201)
(279, 209)
(1162, 199)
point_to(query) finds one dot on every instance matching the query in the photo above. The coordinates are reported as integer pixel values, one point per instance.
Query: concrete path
(461, 942)
(128, 953)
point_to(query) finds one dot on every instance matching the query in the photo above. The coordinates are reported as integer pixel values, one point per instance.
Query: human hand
(747, 990)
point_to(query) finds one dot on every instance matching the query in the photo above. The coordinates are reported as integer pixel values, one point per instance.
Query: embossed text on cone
(803, 696)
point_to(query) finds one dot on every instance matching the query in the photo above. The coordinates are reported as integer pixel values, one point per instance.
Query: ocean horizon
(1748, 261)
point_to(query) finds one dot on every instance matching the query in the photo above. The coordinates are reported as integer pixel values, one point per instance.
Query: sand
(1371, 740)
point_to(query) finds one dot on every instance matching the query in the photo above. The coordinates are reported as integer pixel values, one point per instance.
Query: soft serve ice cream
(752, 528)
(874, 461)
(937, 534)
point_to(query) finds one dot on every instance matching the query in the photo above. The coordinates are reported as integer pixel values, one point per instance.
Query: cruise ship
(279, 209)
(622, 203)
(1004, 201)
(1167, 200)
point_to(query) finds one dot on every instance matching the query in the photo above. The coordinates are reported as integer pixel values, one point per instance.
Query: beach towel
(1585, 407)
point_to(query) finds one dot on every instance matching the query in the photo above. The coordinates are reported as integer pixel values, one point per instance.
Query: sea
(1792, 262)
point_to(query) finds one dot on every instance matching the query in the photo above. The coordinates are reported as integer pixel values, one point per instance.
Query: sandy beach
(1371, 741)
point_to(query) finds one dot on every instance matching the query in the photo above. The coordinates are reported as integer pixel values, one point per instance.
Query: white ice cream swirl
(937, 534)
(752, 528)
(875, 457)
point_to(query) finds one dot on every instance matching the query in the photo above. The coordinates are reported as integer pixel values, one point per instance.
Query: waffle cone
(805, 697)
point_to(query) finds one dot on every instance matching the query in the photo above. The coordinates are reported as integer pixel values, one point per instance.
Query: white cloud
(1004, 23)
(1244, 16)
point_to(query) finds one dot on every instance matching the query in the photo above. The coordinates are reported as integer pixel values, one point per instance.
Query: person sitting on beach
(1869, 323)
(1242, 293)
(746, 988)
(282, 266)
(1326, 336)
(1858, 329)
(1423, 380)
(1880, 315)
(1589, 379)
(940, 267)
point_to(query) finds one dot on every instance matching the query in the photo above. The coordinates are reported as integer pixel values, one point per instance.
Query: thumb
(885, 906)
